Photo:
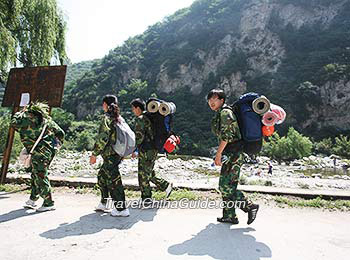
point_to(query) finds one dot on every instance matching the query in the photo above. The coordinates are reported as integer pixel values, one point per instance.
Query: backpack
(249, 123)
(161, 128)
(125, 142)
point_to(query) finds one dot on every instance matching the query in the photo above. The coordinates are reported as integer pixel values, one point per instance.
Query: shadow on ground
(96, 222)
(219, 241)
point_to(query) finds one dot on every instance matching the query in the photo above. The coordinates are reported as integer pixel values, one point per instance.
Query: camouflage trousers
(146, 174)
(110, 183)
(228, 182)
(40, 183)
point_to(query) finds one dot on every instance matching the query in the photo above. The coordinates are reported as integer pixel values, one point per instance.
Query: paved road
(75, 231)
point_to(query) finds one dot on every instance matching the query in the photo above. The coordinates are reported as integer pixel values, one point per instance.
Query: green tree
(290, 147)
(342, 146)
(32, 32)
(4, 127)
(325, 146)
(62, 118)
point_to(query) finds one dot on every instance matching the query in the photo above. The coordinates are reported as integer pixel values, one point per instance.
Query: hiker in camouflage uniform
(147, 154)
(29, 122)
(108, 178)
(225, 127)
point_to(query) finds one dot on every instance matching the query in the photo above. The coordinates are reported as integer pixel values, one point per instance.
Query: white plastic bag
(25, 158)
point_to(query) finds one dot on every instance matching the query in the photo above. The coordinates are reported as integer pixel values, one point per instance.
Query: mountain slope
(294, 52)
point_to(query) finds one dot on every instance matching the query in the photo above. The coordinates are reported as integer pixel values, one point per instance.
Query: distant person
(225, 127)
(108, 178)
(147, 154)
(270, 168)
(258, 172)
(35, 125)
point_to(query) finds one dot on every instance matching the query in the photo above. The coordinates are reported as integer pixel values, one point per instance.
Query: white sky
(97, 26)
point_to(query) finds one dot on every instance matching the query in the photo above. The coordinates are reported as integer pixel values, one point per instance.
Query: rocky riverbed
(307, 173)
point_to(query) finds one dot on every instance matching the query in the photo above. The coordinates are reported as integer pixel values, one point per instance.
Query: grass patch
(207, 172)
(77, 167)
(303, 185)
(132, 194)
(259, 182)
(182, 157)
(243, 180)
(176, 195)
(12, 187)
(318, 202)
(84, 190)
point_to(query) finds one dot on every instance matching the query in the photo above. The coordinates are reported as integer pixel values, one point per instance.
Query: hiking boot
(122, 213)
(31, 204)
(168, 190)
(233, 221)
(102, 207)
(252, 211)
(45, 208)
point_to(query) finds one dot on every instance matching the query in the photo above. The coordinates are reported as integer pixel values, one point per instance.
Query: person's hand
(92, 159)
(133, 155)
(217, 160)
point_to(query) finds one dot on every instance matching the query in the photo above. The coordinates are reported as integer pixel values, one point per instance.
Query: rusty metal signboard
(36, 84)
(29, 84)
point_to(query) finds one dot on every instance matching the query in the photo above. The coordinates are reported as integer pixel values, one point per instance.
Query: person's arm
(218, 156)
(140, 130)
(229, 132)
(101, 140)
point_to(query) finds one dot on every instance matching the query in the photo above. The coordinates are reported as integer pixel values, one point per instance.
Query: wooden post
(39, 84)
(7, 153)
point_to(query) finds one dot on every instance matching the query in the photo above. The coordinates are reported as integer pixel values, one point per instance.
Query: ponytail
(113, 108)
(114, 111)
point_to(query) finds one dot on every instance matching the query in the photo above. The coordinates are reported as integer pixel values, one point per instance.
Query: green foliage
(313, 55)
(324, 146)
(313, 203)
(85, 141)
(290, 147)
(31, 32)
(342, 146)
(81, 136)
(136, 88)
(62, 118)
(335, 72)
(4, 129)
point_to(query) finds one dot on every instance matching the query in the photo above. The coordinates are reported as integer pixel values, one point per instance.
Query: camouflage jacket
(143, 131)
(106, 136)
(29, 126)
(225, 126)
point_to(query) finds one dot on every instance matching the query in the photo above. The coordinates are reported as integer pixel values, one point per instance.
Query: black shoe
(146, 202)
(253, 210)
(233, 221)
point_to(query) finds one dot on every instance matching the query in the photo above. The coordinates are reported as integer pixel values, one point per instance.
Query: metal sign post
(31, 84)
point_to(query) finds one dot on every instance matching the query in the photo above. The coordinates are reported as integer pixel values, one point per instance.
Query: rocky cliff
(268, 46)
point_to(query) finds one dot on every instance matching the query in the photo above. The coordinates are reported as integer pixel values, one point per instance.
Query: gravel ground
(308, 173)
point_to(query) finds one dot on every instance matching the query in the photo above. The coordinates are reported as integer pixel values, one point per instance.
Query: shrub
(4, 128)
(290, 147)
(325, 146)
(342, 146)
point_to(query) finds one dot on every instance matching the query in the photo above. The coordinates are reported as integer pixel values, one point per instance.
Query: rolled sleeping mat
(261, 105)
(167, 108)
(153, 106)
(269, 118)
(279, 111)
